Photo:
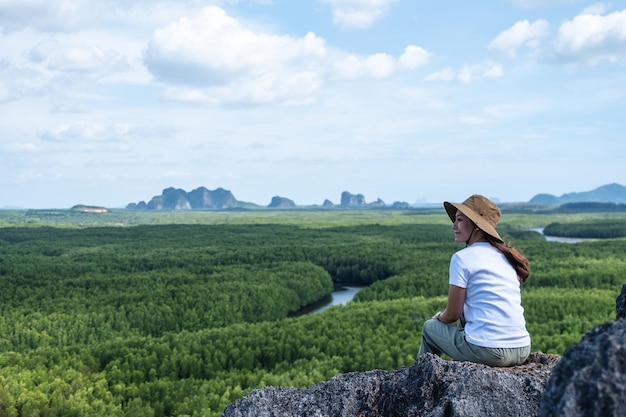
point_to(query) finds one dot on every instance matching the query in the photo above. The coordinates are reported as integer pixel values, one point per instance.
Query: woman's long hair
(515, 258)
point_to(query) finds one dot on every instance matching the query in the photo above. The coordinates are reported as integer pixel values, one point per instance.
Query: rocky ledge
(588, 380)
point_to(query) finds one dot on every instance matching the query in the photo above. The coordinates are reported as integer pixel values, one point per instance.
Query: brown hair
(514, 256)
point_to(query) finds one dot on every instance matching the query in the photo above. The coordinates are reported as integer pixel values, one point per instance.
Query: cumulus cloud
(358, 14)
(381, 65)
(414, 57)
(592, 38)
(468, 73)
(48, 67)
(212, 50)
(213, 46)
(213, 58)
(520, 34)
(51, 58)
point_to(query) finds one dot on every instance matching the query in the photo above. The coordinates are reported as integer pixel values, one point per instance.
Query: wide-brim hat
(483, 212)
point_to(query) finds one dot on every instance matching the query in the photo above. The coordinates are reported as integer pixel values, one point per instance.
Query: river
(341, 295)
(344, 294)
(558, 238)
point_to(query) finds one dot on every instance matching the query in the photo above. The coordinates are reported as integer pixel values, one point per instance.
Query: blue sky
(107, 102)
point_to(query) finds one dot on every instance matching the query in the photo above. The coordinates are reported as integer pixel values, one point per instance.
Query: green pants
(439, 337)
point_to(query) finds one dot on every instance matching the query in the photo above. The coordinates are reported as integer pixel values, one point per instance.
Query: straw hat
(479, 209)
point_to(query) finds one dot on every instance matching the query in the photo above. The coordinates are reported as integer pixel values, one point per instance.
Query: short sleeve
(458, 271)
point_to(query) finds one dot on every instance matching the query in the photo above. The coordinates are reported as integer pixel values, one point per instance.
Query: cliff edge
(589, 380)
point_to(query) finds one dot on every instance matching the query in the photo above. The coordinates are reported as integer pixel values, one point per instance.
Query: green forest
(179, 314)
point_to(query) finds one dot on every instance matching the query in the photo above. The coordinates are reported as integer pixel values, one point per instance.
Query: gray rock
(620, 305)
(431, 387)
(590, 379)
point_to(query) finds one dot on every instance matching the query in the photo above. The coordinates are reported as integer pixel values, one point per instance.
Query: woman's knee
(428, 326)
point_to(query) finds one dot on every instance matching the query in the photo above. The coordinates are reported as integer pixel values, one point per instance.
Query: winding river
(558, 238)
(340, 296)
(344, 294)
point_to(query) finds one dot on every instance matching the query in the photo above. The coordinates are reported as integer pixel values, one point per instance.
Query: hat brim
(452, 208)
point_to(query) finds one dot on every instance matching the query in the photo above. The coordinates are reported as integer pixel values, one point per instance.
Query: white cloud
(592, 38)
(54, 65)
(520, 34)
(468, 73)
(212, 52)
(212, 48)
(212, 58)
(414, 57)
(381, 65)
(358, 14)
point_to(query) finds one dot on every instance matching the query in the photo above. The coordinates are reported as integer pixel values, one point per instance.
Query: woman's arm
(454, 309)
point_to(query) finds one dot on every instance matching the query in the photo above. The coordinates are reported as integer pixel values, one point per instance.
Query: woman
(484, 293)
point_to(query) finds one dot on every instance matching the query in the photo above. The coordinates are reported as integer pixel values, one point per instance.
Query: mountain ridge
(202, 198)
(609, 193)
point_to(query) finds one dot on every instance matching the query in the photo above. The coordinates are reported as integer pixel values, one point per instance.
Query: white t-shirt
(493, 311)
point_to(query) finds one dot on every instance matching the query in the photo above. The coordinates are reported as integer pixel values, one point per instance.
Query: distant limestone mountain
(358, 200)
(281, 202)
(351, 200)
(220, 199)
(200, 198)
(611, 193)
